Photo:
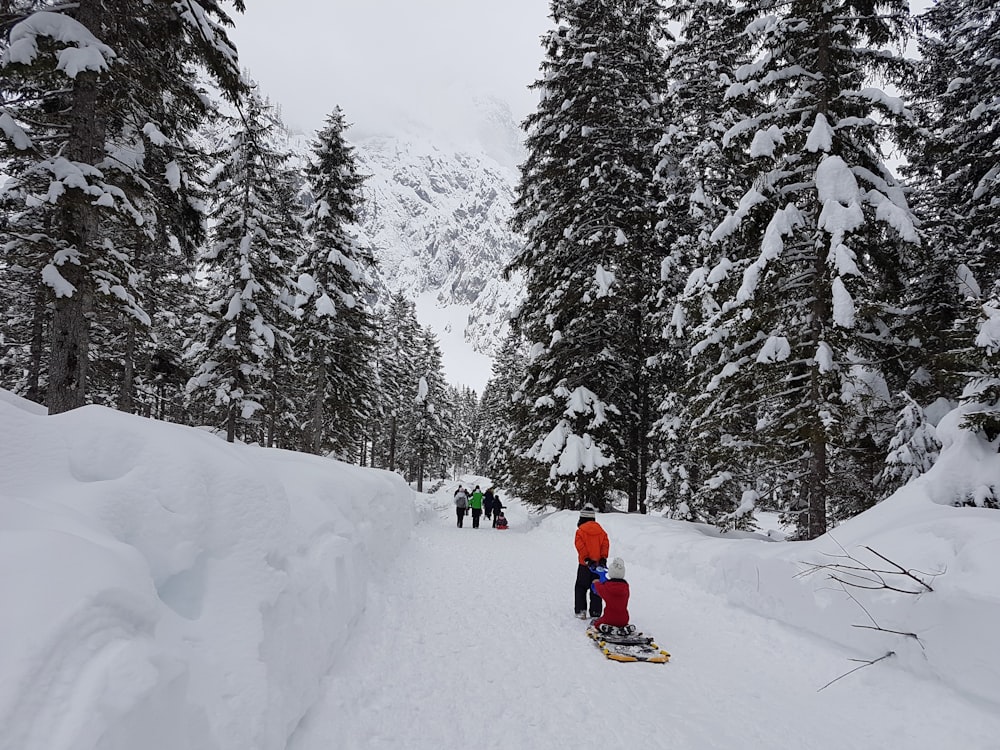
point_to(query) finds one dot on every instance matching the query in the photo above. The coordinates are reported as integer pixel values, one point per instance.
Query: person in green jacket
(476, 503)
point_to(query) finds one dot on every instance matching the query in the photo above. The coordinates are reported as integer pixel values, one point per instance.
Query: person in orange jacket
(592, 548)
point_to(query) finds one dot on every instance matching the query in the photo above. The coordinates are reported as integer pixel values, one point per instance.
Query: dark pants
(460, 512)
(584, 576)
(476, 513)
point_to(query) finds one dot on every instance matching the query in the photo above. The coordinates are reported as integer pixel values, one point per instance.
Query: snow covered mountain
(437, 214)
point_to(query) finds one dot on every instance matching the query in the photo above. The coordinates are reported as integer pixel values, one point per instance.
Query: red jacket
(591, 542)
(615, 593)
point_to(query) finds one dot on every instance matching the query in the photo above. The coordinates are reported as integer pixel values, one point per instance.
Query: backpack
(461, 499)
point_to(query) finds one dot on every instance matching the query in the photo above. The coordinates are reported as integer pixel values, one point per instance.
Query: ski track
(472, 644)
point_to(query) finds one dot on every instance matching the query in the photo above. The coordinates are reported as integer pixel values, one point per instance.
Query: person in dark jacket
(614, 592)
(489, 503)
(497, 508)
(592, 550)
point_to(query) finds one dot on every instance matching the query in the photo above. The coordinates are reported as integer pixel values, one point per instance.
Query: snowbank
(21, 403)
(162, 589)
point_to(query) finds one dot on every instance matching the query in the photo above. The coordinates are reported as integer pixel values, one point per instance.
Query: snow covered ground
(161, 589)
(472, 643)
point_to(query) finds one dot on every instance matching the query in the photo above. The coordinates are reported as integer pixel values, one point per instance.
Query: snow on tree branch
(86, 53)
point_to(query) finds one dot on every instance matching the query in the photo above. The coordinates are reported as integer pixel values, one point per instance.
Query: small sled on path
(626, 644)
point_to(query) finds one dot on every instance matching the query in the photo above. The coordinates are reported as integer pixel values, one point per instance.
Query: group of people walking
(605, 583)
(479, 503)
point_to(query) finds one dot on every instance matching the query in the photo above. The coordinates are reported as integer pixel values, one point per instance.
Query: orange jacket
(591, 542)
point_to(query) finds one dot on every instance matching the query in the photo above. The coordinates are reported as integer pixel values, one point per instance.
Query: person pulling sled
(592, 548)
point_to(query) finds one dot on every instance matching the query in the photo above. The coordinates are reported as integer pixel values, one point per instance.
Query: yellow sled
(627, 646)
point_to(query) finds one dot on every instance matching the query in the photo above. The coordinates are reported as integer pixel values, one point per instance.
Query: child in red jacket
(613, 589)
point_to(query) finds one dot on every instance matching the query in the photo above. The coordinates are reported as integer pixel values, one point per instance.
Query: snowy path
(473, 645)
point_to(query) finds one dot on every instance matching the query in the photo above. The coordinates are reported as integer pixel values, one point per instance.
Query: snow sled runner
(626, 644)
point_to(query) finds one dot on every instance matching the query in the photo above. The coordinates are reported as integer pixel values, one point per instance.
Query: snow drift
(165, 589)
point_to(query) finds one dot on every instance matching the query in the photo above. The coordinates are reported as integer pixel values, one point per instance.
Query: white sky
(377, 58)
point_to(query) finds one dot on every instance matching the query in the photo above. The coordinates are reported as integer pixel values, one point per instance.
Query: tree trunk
(632, 467)
(392, 443)
(272, 419)
(38, 315)
(126, 397)
(237, 379)
(78, 227)
(231, 423)
(818, 470)
(644, 444)
(420, 464)
(319, 396)
(817, 486)
(68, 357)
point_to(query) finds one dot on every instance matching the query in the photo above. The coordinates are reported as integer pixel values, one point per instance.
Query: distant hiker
(476, 503)
(497, 509)
(461, 504)
(499, 519)
(592, 548)
(613, 589)
(489, 503)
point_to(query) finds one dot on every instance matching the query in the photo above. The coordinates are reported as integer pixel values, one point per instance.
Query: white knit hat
(588, 511)
(616, 569)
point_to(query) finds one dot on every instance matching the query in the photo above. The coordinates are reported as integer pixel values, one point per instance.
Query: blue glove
(602, 574)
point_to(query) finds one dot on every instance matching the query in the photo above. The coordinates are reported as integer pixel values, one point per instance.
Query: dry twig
(863, 665)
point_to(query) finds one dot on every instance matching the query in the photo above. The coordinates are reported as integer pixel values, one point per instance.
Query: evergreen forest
(757, 245)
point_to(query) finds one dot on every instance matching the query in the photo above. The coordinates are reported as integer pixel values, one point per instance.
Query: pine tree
(494, 448)
(466, 417)
(87, 78)
(955, 157)
(397, 366)
(246, 264)
(26, 245)
(336, 338)
(430, 422)
(587, 206)
(809, 300)
(698, 179)
(913, 450)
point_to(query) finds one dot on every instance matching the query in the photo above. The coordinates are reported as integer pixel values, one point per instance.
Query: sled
(627, 644)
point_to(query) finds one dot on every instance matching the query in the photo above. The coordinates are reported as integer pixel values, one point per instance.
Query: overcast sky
(380, 58)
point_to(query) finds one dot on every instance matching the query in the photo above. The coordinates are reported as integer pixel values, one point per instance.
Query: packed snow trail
(473, 644)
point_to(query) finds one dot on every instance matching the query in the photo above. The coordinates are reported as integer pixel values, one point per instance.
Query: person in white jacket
(461, 504)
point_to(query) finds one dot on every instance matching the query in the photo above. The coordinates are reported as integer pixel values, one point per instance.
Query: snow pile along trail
(162, 589)
(472, 643)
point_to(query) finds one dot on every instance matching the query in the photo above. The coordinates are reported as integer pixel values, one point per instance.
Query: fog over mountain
(437, 212)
